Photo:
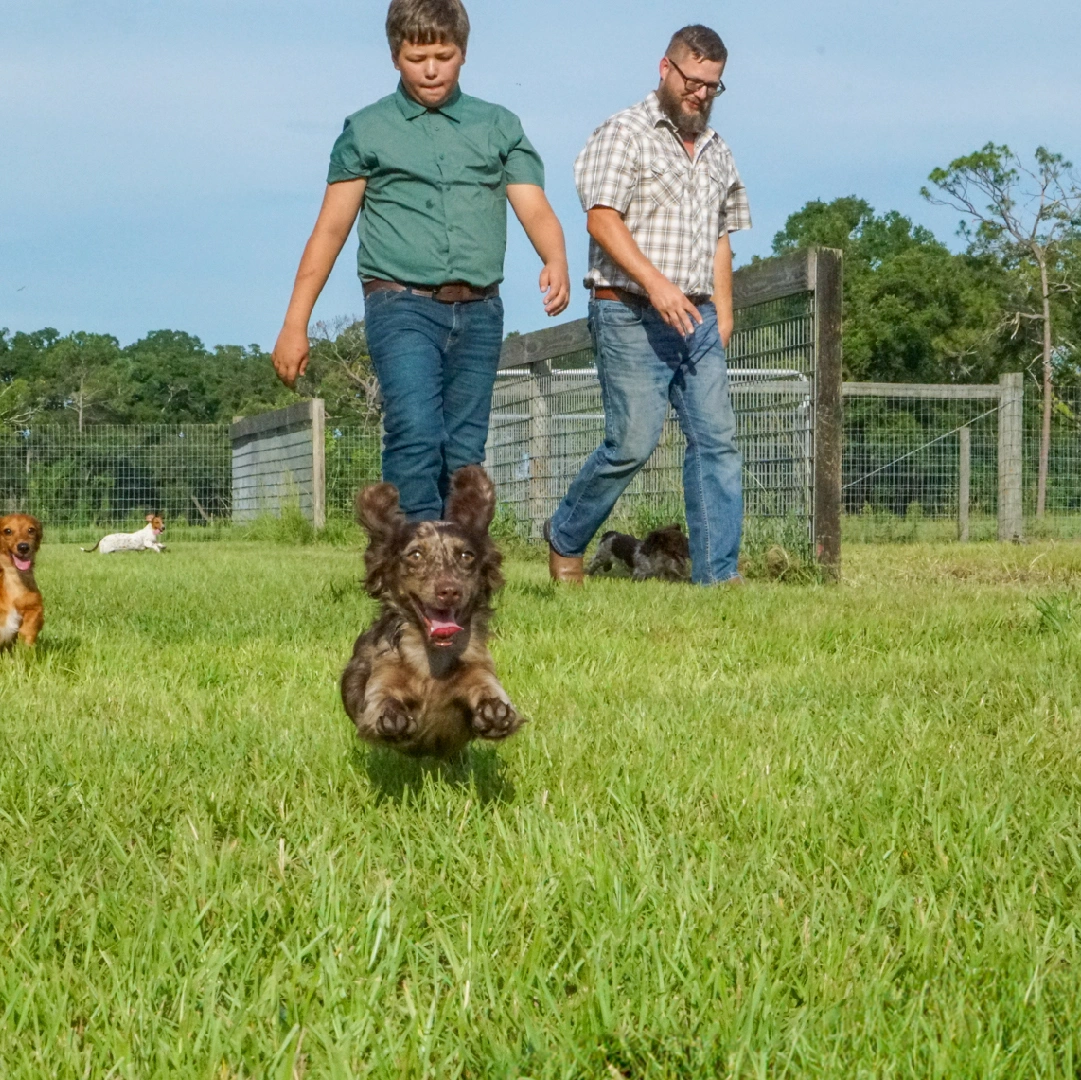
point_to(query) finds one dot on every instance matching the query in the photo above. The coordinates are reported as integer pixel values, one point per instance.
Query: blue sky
(162, 163)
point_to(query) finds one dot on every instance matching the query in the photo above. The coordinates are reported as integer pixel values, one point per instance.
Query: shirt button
(430, 203)
(441, 156)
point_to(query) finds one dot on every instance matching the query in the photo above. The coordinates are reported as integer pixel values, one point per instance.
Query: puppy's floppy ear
(39, 533)
(378, 511)
(149, 517)
(472, 499)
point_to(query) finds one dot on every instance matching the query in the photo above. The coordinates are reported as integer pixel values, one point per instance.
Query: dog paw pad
(495, 719)
(394, 722)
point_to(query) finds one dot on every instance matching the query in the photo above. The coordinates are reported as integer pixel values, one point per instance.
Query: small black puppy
(664, 554)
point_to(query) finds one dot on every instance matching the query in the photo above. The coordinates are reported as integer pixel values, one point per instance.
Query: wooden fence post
(964, 478)
(1010, 517)
(319, 463)
(824, 276)
(540, 382)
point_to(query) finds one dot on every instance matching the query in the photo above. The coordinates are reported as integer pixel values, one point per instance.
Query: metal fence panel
(548, 417)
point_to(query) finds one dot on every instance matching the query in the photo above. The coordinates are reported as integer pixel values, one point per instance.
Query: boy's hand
(291, 354)
(555, 284)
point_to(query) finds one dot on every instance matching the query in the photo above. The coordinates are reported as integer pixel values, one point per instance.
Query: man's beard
(693, 123)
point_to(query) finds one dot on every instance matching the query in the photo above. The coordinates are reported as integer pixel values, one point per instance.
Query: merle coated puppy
(664, 553)
(421, 678)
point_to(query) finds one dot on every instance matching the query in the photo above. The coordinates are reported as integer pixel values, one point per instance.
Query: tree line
(914, 311)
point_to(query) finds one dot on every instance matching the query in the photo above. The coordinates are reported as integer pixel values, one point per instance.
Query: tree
(84, 375)
(341, 371)
(913, 311)
(1026, 217)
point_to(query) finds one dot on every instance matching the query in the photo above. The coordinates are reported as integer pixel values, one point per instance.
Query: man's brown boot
(566, 568)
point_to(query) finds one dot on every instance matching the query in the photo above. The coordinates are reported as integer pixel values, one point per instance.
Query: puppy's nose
(23, 548)
(448, 593)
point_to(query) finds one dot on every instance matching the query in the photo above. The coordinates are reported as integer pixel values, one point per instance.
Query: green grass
(786, 830)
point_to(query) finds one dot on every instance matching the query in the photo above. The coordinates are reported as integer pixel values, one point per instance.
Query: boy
(430, 171)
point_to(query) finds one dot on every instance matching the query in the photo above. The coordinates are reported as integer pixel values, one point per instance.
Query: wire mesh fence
(902, 456)
(902, 462)
(547, 418)
(1064, 459)
(112, 474)
(353, 459)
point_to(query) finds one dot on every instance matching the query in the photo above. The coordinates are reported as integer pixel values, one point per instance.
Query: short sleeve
(606, 171)
(350, 159)
(523, 164)
(735, 210)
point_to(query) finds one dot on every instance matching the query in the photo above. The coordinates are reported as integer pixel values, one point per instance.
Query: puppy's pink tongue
(20, 564)
(440, 628)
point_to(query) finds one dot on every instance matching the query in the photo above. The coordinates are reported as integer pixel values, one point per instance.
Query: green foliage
(913, 312)
(798, 831)
(1026, 220)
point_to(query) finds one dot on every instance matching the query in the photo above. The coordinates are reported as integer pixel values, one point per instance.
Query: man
(433, 170)
(662, 194)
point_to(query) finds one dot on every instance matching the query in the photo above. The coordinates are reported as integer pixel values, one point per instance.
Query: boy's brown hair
(426, 22)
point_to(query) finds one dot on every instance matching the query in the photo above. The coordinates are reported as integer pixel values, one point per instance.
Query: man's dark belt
(453, 292)
(625, 296)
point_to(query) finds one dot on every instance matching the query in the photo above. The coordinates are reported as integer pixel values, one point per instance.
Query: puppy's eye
(467, 557)
(413, 556)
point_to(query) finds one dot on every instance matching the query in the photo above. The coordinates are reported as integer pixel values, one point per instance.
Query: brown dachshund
(22, 612)
(421, 678)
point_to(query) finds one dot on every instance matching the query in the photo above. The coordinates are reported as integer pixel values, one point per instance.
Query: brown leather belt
(453, 292)
(625, 296)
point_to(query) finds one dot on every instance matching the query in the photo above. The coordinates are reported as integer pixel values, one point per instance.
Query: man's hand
(291, 354)
(541, 225)
(725, 326)
(555, 285)
(607, 227)
(673, 305)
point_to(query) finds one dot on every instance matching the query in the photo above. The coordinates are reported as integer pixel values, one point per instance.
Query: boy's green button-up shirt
(435, 205)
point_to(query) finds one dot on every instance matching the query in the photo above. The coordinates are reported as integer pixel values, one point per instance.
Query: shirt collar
(657, 115)
(412, 108)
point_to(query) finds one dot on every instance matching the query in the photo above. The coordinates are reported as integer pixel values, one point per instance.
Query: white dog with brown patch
(146, 539)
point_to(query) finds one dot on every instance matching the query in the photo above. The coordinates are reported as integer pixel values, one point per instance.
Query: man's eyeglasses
(692, 86)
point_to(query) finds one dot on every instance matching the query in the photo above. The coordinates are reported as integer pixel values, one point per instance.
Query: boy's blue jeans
(436, 365)
(643, 364)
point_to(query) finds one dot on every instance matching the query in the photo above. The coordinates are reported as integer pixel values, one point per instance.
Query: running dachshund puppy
(664, 554)
(421, 678)
(22, 611)
(145, 539)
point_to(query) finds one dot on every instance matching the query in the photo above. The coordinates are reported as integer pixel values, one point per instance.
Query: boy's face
(429, 72)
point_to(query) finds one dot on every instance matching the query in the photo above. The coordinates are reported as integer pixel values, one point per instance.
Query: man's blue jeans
(436, 365)
(643, 364)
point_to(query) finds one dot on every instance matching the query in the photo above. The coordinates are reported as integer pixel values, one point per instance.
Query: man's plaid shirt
(676, 207)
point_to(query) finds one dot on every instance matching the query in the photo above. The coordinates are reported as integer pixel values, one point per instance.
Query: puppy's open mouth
(442, 624)
(20, 563)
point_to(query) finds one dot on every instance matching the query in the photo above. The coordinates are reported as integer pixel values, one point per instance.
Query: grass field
(788, 830)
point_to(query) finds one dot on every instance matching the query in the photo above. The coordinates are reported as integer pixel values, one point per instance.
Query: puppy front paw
(494, 718)
(395, 723)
